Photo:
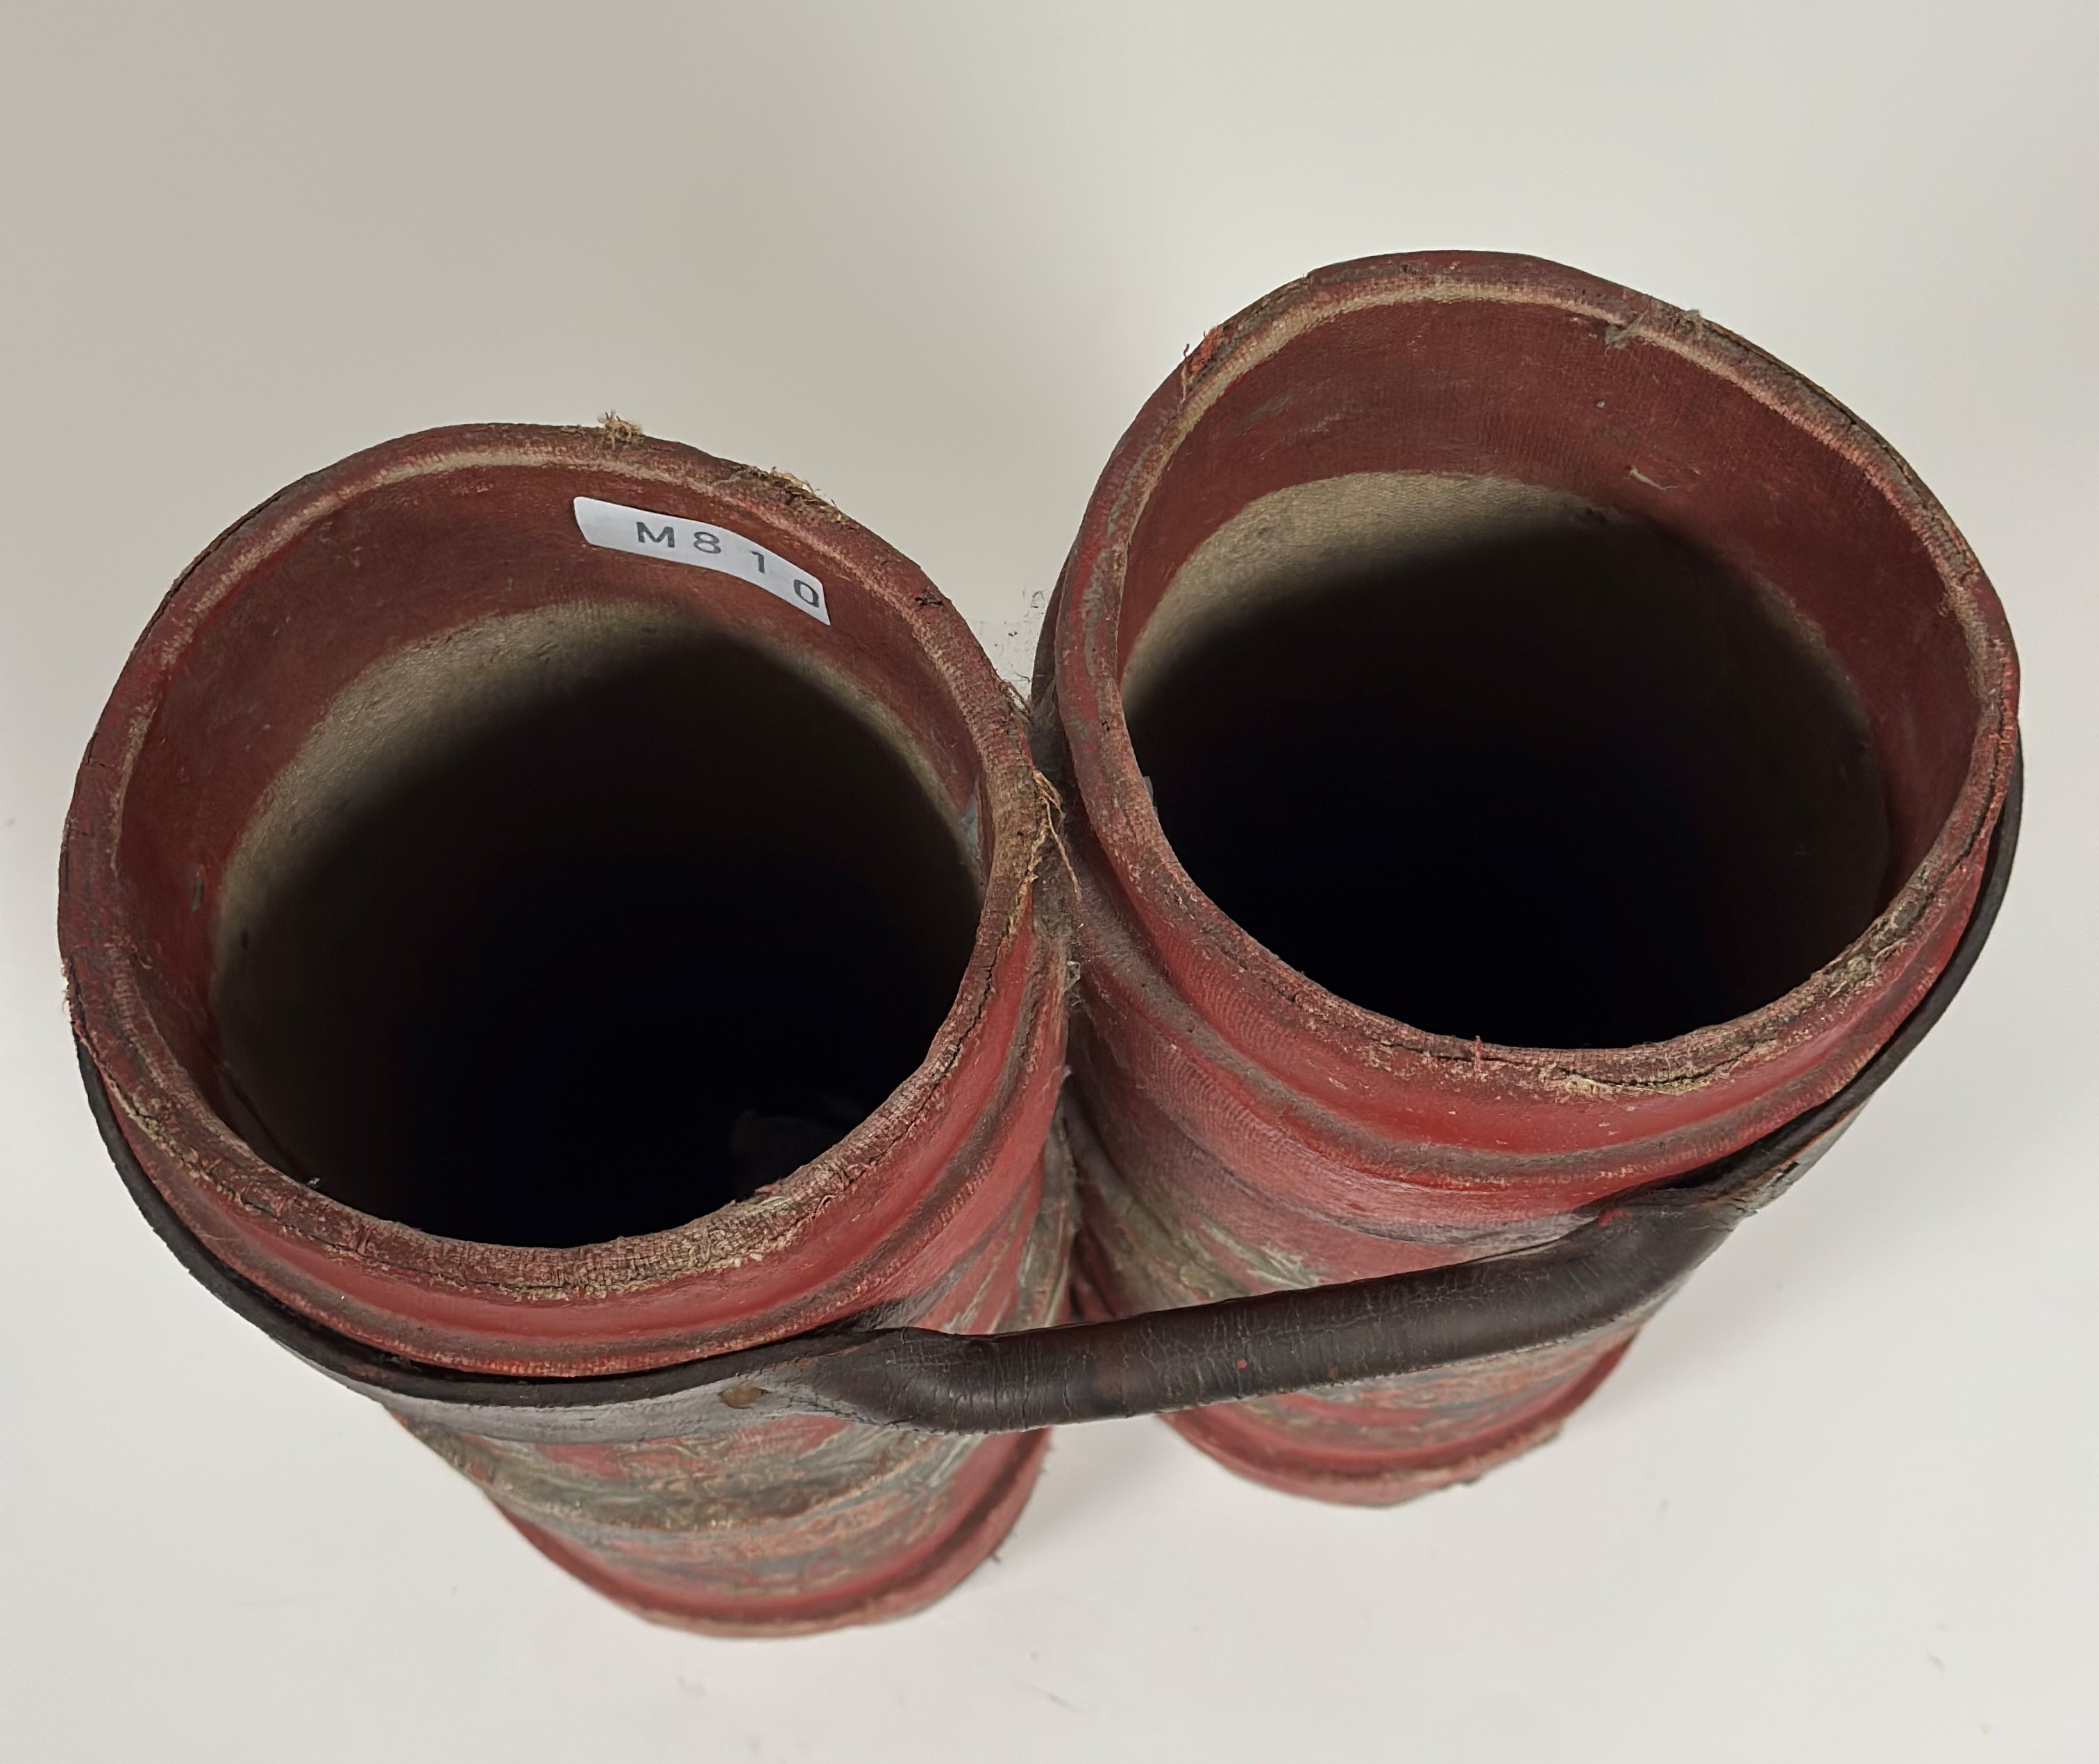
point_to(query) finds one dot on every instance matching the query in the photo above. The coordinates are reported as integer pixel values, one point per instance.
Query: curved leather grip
(1628, 1255)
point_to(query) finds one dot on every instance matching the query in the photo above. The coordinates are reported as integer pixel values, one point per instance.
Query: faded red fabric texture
(941, 1206)
(1244, 1128)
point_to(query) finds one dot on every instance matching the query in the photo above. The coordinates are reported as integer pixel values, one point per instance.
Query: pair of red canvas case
(574, 938)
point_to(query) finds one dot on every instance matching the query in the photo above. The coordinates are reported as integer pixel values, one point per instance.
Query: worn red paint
(939, 1208)
(1251, 1129)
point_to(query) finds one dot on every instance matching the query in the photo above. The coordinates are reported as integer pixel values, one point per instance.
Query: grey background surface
(1838, 1503)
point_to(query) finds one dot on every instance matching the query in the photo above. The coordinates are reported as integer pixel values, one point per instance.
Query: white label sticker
(620, 528)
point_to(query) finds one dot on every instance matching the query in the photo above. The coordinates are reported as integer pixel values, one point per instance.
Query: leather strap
(1627, 1256)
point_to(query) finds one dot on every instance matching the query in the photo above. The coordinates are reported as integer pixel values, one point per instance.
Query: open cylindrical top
(1526, 718)
(548, 900)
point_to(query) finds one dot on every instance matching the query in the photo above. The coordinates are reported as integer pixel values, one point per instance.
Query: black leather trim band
(1627, 1256)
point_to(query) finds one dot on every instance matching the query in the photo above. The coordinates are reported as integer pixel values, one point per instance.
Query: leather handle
(1627, 1256)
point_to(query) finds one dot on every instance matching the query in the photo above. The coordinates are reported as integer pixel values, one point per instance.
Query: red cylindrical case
(1521, 743)
(532, 947)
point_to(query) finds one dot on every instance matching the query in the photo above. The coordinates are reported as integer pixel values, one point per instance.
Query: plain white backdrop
(1840, 1501)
